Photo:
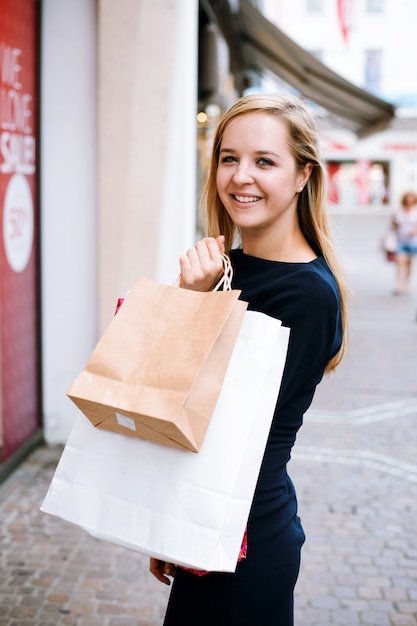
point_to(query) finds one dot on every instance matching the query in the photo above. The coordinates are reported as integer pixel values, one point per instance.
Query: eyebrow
(259, 152)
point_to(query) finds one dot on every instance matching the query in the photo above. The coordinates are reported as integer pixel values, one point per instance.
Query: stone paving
(355, 461)
(355, 470)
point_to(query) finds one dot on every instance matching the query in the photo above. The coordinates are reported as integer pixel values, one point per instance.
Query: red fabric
(119, 304)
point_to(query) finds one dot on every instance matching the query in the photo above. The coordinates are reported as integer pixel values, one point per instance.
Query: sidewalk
(354, 467)
(355, 461)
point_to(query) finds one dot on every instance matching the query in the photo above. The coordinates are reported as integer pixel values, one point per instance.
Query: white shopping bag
(186, 508)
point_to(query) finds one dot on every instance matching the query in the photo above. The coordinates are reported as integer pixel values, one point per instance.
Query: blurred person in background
(404, 221)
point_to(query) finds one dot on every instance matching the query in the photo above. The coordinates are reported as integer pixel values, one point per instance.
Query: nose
(242, 174)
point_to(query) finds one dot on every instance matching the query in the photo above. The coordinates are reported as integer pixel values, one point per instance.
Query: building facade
(373, 45)
(107, 98)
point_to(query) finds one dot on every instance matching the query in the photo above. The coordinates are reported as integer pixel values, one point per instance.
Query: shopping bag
(190, 509)
(389, 244)
(157, 371)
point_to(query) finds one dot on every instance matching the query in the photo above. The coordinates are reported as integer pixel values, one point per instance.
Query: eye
(228, 159)
(265, 162)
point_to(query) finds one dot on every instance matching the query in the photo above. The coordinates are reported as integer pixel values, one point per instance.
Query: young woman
(267, 186)
(405, 223)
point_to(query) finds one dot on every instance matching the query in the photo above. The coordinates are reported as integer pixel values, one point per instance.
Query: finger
(212, 249)
(185, 266)
(205, 252)
(220, 242)
(170, 569)
(210, 262)
(202, 265)
(162, 578)
(192, 269)
(157, 569)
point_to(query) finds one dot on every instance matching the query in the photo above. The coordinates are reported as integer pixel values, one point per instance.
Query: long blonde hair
(311, 208)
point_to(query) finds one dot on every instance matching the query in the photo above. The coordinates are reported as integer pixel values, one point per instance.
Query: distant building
(373, 44)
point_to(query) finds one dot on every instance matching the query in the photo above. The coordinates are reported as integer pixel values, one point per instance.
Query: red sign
(19, 349)
(400, 146)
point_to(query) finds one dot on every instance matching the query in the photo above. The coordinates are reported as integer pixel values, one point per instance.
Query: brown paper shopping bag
(158, 369)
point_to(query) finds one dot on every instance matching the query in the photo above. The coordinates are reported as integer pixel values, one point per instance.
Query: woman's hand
(161, 570)
(202, 266)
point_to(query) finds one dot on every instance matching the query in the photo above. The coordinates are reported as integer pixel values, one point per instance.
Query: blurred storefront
(353, 122)
(358, 183)
(371, 174)
(19, 259)
(97, 186)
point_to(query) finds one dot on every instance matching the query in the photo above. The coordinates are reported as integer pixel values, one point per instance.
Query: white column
(179, 202)
(147, 130)
(67, 203)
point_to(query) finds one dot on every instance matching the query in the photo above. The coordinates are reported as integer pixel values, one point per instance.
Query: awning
(256, 44)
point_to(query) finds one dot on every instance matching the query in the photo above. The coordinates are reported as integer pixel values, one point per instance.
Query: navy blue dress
(260, 593)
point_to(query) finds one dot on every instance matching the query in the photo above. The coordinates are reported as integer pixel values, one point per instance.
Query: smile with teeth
(246, 198)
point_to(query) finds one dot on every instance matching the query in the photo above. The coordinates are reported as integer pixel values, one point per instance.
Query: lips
(246, 199)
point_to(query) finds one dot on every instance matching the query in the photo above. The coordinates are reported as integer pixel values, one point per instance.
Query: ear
(304, 175)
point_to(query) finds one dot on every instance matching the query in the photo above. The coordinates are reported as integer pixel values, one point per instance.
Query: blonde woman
(266, 187)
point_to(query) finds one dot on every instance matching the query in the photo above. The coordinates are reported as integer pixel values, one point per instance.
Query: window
(374, 6)
(314, 6)
(362, 182)
(373, 70)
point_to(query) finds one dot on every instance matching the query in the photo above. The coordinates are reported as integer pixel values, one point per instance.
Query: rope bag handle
(225, 282)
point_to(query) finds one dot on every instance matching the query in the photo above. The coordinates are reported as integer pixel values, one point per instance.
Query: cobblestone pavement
(355, 470)
(355, 461)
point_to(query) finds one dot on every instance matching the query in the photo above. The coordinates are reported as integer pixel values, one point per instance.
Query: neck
(290, 247)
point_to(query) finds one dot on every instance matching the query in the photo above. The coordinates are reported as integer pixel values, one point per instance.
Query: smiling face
(257, 178)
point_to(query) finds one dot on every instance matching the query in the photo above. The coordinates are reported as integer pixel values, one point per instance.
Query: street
(354, 467)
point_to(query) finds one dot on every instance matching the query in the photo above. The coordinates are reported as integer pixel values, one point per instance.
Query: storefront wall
(118, 171)
(19, 335)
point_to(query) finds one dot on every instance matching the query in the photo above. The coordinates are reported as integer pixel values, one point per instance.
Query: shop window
(314, 6)
(373, 70)
(359, 183)
(374, 6)
(20, 411)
